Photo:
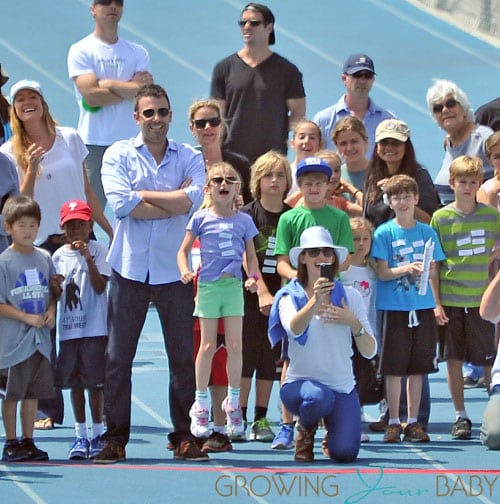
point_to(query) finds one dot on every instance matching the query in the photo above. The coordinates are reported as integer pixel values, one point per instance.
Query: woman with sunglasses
(450, 108)
(394, 155)
(208, 128)
(318, 318)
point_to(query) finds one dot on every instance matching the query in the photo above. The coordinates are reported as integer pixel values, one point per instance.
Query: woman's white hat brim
(316, 237)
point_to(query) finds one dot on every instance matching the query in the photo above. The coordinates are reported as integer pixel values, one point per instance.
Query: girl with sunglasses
(318, 318)
(226, 239)
(450, 108)
(208, 128)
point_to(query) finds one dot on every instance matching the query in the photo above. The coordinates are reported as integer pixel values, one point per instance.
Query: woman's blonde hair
(21, 140)
(199, 104)
(263, 166)
(225, 169)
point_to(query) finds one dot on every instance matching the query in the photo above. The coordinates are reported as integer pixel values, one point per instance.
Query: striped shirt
(467, 241)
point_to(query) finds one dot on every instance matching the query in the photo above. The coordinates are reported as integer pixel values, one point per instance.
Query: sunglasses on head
(227, 180)
(254, 23)
(314, 252)
(450, 103)
(362, 75)
(149, 113)
(201, 123)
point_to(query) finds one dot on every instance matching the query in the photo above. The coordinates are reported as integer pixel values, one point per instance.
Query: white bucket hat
(316, 237)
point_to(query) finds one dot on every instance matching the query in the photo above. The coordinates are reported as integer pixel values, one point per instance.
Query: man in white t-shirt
(107, 72)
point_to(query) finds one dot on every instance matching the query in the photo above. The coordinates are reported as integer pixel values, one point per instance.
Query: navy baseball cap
(356, 63)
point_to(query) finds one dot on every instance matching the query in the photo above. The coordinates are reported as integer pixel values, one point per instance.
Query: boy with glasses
(409, 331)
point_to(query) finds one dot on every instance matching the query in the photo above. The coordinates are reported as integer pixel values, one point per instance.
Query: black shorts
(408, 350)
(467, 337)
(30, 379)
(258, 356)
(81, 363)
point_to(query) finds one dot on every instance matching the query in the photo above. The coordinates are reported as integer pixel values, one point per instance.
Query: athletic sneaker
(217, 442)
(14, 452)
(415, 433)
(393, 433)
(365, 438)
(284, 439)
(462, 429)
(96, 446)
(234, 419)
(34, 453)
(80, 449)
(199, 421)
(261, 431)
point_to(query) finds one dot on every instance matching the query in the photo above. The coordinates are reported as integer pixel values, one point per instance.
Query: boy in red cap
(82, 324)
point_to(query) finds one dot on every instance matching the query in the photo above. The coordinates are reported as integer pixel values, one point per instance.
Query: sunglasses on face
(201, 123)
(253, 23)
(450, 103)
(227, 180)
(314, 252)
(109, 2)
(362, 75)
(149, 113)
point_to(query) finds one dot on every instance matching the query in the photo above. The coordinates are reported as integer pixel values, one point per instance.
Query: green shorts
(222, 298)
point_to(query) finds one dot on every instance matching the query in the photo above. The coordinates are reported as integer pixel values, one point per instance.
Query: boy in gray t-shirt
(27, 312)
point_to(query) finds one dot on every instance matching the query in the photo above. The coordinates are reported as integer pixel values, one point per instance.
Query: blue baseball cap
(356, 63)
(313, 165)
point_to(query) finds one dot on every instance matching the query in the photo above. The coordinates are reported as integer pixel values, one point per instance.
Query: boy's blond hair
(490, 143)
(466, 166)
(263, 166)
(399, 184)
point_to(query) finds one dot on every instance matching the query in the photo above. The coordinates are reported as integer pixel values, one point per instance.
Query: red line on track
(319, 470)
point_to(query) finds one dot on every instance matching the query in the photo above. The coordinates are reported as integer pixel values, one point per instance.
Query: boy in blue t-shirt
(409, 329)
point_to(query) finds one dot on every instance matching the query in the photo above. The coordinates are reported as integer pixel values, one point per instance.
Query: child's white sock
(81, 430)
(201, 397)
(233, 397)
(462, 414)
(411, 420)
(97, 429)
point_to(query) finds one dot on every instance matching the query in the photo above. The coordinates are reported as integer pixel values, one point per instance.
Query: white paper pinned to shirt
(427, 260)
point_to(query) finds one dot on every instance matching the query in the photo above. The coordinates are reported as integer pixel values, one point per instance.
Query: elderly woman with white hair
(450, 108)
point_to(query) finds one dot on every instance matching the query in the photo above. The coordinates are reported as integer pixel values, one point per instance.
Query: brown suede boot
(304, 443)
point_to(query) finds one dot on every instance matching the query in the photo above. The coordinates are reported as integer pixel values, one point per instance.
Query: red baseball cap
(75, 209)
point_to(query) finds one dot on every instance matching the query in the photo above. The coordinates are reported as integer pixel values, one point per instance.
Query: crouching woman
(317, 317)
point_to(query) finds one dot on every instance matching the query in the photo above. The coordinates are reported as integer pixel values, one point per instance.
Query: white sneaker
(199, 421)
(234, 419)
(365, 438)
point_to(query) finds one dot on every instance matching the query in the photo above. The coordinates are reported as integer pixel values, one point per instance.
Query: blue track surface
(185, 39)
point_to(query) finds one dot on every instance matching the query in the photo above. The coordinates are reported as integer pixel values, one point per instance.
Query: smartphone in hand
(326, 270)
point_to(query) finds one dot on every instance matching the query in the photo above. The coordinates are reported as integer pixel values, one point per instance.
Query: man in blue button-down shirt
(358, 76)
(153, 185)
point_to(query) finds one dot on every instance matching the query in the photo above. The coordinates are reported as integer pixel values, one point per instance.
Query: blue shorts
(221, 298)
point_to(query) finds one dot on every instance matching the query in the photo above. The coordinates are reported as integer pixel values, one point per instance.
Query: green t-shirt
(293, 222)
(467, 241)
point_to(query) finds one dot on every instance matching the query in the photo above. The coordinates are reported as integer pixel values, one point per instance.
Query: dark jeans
(128, 306)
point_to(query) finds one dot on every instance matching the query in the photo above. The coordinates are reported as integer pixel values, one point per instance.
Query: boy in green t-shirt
(313, 175)
(467, 231)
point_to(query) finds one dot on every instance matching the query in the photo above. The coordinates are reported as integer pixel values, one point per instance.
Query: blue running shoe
(80, 449)
(96, 446)
(284, 439)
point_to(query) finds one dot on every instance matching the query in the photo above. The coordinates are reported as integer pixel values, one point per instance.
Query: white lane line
(22, 486)
(65, 86)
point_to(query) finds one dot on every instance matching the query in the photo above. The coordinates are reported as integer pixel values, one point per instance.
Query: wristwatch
(360, 333)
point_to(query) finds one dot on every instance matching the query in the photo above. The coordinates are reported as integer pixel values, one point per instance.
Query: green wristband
(88, 108)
